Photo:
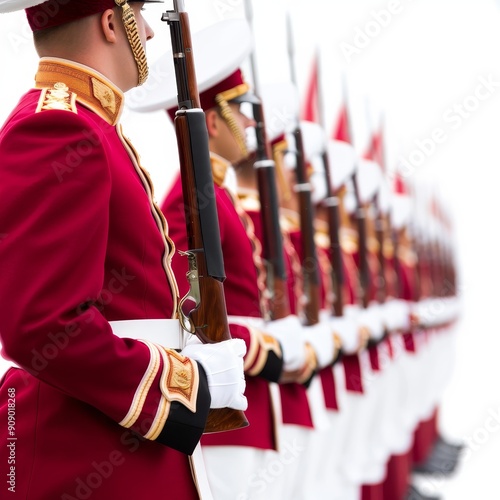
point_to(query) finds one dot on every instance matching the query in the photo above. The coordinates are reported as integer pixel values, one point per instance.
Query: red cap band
(57, 12)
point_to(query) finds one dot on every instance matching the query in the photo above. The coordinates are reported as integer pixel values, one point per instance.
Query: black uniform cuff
(183, 428)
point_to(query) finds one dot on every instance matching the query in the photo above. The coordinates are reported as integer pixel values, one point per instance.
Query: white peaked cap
(314, 143)
(218, 51)
(318, 180)
(313, 139)
(342, 164)
(402, 203)
(350, 203)
(369, 179)
(384, 196)
(14, 5)
(401, 208)
(281, 107)
(343, 160)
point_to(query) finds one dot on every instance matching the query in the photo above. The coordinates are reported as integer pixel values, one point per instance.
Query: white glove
(436, 311)
(346, 327)
(372, 318)
(223, 364)
(320, 336)
(288, 332)
(423, 311)
(396, 314)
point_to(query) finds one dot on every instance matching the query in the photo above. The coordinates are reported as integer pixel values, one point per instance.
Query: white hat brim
(369, 179)
(280, 103)
(342, 161)
(218, 51)
(313, 138)
(15, 5)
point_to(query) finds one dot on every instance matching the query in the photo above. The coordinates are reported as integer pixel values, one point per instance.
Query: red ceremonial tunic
(294, 403)
(242, 299)
(351, 362)
(83, 245)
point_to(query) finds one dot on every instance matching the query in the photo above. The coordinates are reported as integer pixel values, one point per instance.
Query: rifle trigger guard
(193, 293)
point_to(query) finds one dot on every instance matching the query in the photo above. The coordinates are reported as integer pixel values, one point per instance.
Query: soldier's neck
(245, 174)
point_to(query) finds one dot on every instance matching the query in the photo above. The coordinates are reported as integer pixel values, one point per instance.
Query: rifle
(331, 204)
(272, 244)
(310, 265)
(208, 317)
(380, 232)
(364, 271)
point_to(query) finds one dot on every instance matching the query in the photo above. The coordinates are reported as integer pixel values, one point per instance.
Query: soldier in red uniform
(303, 409)
(240, 464)
(99, 403)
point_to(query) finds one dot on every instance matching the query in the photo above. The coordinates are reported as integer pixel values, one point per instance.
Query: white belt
(166, 332)
(252, 321)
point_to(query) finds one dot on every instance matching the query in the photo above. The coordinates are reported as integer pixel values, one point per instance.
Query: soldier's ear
(110, 25)
(211, 118)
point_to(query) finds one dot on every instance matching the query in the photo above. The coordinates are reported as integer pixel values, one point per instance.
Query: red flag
(375, 149)
(310, 107)
(400, 186)
(341, 131)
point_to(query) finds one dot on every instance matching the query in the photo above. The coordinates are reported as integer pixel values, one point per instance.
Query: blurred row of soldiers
(346, 362)
(341, 314)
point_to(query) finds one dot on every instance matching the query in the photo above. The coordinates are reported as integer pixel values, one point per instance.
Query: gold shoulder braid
(219, 169)
(59, 97)
(130, 24)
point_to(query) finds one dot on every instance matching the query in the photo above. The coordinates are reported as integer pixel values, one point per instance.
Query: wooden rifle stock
(310, 267)
(331, 204)
(380, 228)
(272, 244)
(397, 264)
(207, 318)
(364, 271)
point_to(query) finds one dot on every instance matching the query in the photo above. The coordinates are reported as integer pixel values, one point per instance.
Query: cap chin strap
(279, 151)
(134, 40)
(228, 117)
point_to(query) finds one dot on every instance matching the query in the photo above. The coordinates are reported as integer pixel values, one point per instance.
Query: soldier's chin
(249, 160)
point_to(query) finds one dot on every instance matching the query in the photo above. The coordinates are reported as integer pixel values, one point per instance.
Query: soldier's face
(228, 143)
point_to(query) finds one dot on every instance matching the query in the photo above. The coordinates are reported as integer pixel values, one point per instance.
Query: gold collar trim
(219, 168)
(92, 89)
(289, 220)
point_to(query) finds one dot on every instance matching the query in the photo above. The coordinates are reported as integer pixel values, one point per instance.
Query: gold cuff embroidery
(143, 387)
(252, 351)
(180, 378)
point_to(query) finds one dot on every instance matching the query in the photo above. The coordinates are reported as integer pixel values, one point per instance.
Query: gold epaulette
(289, 220)
(58, 97)
(322, 240)
(388, 248)
(407, 256)
(249, 200)
(348, 240)
(372, 244)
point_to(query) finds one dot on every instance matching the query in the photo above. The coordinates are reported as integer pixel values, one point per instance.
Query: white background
(414, 61)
